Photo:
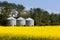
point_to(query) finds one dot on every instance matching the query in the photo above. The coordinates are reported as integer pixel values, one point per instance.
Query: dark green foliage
(26, 38)
(42, 17)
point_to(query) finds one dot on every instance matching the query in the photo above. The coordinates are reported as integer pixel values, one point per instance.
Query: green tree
(20, 9)
(36, 15)
(40, 16)
(53, 19)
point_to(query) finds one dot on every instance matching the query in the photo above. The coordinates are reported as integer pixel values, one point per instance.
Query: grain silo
(11, 21)
(21, 21)
(30, 22)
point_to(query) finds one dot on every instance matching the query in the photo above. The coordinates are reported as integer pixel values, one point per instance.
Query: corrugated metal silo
(11, 21)
(30, 22)
(21, 21)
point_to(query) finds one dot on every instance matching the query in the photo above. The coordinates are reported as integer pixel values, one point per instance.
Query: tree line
(40, 16)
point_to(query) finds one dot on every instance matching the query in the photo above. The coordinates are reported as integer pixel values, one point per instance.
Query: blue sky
(49, 5)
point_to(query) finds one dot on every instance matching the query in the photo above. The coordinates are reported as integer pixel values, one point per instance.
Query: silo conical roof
(20, 18)
(29, 19)
(10, 18)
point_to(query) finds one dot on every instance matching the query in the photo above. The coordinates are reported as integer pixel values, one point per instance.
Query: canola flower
(35, 31)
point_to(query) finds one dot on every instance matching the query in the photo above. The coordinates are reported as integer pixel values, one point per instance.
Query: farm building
(30, 22)
(14, 13)
(21, 21)
(11, 21)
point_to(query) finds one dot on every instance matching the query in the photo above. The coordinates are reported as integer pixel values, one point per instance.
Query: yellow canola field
(35, 31)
